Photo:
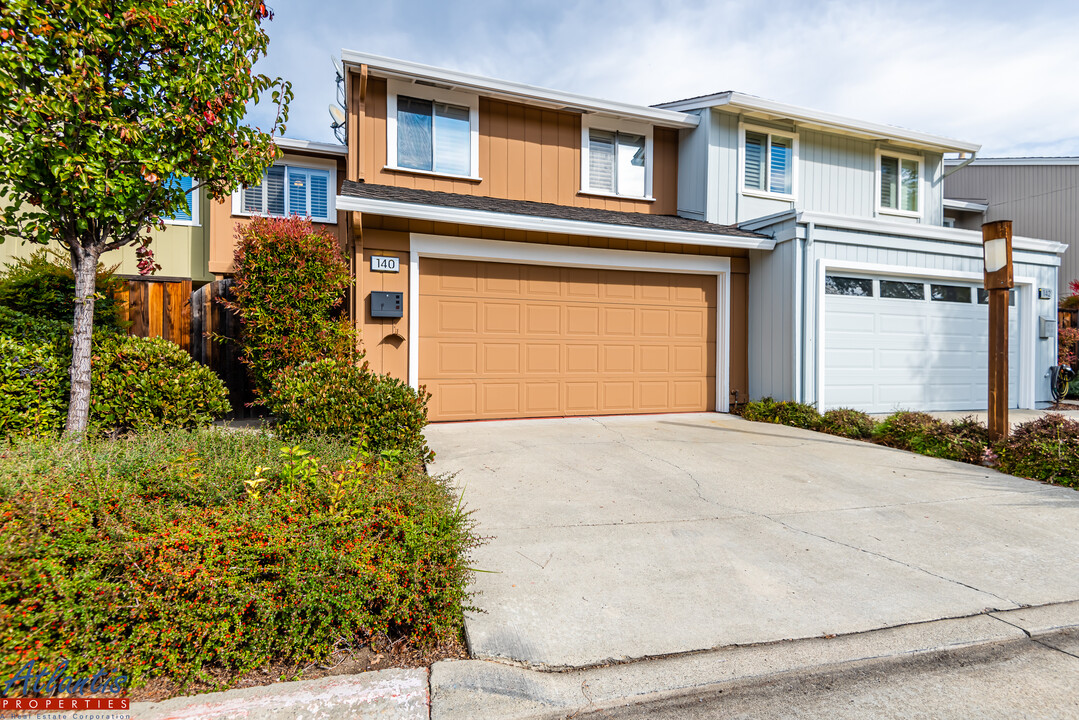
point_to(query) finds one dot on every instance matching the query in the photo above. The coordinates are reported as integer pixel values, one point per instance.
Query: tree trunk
(84, 264)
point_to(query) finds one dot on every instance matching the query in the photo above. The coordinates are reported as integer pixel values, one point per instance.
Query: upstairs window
(899, 178)
(768, 162)
(189, 215)
(432, 130)
(290, 190)
(616, 158)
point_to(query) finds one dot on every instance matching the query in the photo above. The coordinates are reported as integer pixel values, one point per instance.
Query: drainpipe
(807, 246)
(961, 165)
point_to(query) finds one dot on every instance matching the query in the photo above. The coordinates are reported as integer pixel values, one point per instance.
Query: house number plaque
(385, 263)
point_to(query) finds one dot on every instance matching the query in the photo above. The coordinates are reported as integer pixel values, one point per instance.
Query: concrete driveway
(628, 537)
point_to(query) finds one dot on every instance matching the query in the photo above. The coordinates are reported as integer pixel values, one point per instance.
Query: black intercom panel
(386, 304)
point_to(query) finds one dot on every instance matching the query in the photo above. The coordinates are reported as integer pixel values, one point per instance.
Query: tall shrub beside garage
(290, 286)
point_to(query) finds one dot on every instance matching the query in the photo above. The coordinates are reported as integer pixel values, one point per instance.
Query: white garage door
(902, 343)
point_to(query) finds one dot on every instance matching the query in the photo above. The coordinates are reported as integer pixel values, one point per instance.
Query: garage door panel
(538, 341)
(886, 354)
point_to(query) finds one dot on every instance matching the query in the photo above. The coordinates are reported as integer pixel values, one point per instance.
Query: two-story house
(526, 252)
(867, 300)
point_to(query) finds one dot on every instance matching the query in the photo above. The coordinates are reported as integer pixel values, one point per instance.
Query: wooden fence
(158, 308)
(1067, 318)
(213, 341)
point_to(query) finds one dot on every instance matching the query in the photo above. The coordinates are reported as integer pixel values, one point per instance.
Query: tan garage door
(503, 341)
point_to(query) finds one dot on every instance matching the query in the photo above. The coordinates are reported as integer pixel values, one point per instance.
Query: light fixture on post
(997, 256)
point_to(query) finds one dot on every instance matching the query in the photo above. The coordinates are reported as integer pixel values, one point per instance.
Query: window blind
(319, 181)
(185, 184)
(754, 169)
(601, 155)
(452, 140)
(780, 165)
(889, 182)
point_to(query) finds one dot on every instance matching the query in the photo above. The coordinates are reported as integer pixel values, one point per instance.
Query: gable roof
(760, 108)
(385, 67)
(543, 217)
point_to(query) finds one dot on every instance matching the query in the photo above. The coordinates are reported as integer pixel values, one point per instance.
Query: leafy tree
(103, 103)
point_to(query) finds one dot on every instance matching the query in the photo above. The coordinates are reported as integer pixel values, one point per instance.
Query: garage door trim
(1026, 310)
(457, 248)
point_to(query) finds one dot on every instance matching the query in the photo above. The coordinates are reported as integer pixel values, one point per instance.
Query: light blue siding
(837, 174)
(772, 321)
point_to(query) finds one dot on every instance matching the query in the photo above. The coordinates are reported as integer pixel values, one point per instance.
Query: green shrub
(290, 286)
(848, 423)
(33, 383)
(331, 397)
(203, 555)
(43, 287)
(1043, 449)
(787, 412)
(149, 382)
(964, 439)
(27, 328)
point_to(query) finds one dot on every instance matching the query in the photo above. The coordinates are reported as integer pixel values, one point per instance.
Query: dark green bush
(1043, 449)
(33, 383)
(43, 287)
(174, 554)
(782, 413)
(848, 423)
(27, 328)
(965, 439)
(332, 397)
(290, 286)
(149, 382)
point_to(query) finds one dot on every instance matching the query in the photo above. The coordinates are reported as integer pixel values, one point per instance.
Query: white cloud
(995, 73)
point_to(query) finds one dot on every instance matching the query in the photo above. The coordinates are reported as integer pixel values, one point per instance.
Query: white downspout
(961, 165)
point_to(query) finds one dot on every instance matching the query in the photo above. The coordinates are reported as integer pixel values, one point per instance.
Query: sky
(999, 73)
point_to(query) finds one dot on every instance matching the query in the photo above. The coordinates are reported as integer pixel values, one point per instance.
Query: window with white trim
(899, 179)
(290, 190)
(432, 130)
(189, 215)
(616, 158)
(769, 158)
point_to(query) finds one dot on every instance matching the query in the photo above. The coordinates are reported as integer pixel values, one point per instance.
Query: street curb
(483, 688)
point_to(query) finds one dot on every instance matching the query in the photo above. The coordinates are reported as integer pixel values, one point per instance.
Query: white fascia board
(1018, 161)
(517, 92)
(509, 221)
(965, 205)
(310, 146)
(828, 121)
(920, 230)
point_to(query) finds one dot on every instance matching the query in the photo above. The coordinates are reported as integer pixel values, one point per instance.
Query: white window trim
(450, 97)
(592, 122)
(305, 164)
(768, 194)
(881, 210)
(195, 220)
(1026, 314)
(438, 246)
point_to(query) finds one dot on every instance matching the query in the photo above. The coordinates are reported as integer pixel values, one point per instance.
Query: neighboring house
(557, 254)
(1040, 195)
(867, 300)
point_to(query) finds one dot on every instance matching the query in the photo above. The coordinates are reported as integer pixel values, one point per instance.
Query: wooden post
(998, 283)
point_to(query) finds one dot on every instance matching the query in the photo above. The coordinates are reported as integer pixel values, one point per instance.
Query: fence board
(214, 341)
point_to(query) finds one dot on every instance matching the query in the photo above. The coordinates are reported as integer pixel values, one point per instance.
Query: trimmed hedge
(332, 397)
(782, 413)
(204, 555)
(139, 382)
(848, 423)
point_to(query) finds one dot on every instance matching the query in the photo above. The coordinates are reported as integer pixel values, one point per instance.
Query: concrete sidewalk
(624, 538)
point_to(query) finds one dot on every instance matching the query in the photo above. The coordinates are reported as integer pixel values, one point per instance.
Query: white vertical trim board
(459, 248)
(1026, 316)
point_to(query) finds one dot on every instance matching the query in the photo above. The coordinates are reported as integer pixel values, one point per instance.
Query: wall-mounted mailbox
(1047, 327)
(386, 304)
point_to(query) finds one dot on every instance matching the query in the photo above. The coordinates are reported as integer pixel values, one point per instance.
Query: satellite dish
(337, 114)
(337, 66)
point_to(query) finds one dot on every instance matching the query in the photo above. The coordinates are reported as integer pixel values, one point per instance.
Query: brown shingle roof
(537, 209)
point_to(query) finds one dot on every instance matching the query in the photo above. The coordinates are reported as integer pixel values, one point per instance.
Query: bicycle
(1060, 378)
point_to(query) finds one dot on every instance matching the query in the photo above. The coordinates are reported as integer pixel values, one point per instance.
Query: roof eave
(310, 146)
(826, 121)
(517, 92)
(512, 221)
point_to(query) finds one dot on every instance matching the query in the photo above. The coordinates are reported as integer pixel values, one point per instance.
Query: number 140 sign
(385, 263)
